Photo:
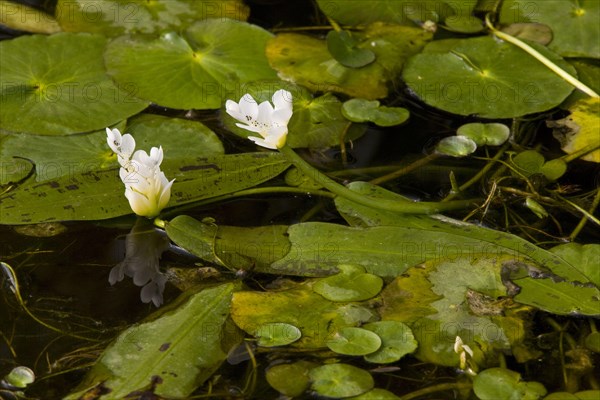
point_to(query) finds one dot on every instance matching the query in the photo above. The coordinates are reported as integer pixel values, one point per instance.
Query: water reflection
(144, 246)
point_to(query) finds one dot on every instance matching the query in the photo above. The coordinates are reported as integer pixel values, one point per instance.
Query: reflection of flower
(268, 122)
(146, 186)
(143, 247)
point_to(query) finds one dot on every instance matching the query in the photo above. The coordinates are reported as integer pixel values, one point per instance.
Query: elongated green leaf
(175, 353)
(100, 195)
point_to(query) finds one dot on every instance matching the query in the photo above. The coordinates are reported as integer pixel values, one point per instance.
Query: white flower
(268, 122)
(462, 350)
(146, 186)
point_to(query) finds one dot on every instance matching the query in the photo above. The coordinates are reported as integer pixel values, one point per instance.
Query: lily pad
(479, 78)
(397, 340)
(456, 146)
(24, 18)
(502, 383)
(361, 110)
(354, 341)
(178, 350)
(530, 162)
(580, 129)
(306, 60)
(60, 83)
(317, 122)
(118, 17)
(276, 334)
(340, 380)
(343, 47)
(492, 134)
(349, 285)
(290, 379)
(574, 24)
(198, 68)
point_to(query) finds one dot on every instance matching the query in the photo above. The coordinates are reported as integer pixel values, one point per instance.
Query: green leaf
(60, 83)
(592, 342)
(397, 340)
(354, 341)
(276, 334)
(361, 110)
(349, 285)
(290, 379)
(21, 17)
(479, 78)
(117, 17)
(456, 146)
(583, 395)
(198, 68)
(251, 309)
(343, 47)
(528, 162)
(376, 394)
(582, 257)
(574, 24)
(554, 169)
(177, 351)
(493, 134)
(317, 122)
(94, 195)
(501, 383)
(340, 380)
(307, 61)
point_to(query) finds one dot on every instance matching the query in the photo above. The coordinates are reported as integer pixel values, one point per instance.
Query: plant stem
(379, 203)
(584, 219)
(405, 170)
(538, 56)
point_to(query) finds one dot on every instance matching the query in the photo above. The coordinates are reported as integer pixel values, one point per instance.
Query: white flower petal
(262, 142)
(127, 145)
(282, 99)
(248, 108)
(458, 344)
(250, 128)
(468, 350)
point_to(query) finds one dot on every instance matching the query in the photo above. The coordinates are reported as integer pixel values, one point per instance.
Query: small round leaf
(493, 134)
(343, 47)
(340, 380)
(276, 334)
(528, 162)
(290, 379)
(362, 110)
(592, 342)
(456, 146)
(554, 169)
(353, 341)
(397, 340)
(349, 286)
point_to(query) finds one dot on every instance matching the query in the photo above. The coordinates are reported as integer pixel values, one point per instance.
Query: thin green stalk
(584, 219)
(538, 56)
(585, 213)
(379, 203)
(405, 170)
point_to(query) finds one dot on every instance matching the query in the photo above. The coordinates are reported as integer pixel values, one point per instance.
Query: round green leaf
(317, 122)
(501, 383)
(362, 110)
(349, 285)
(342, 47)
(20, 377)
(456, 146)
(397, 340)
(493, 134)
(290, 379)
(592, 342)
(353, 341)
(340, 380)
(117, 17)
(60, 84)
(276, 334)
(554, 169)
(464, 24)
(528, 162)
(487, 78)
(574, 24)
(198, 69)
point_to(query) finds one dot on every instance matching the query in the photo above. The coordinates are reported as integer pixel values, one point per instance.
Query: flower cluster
(268, 121)
(146, 186)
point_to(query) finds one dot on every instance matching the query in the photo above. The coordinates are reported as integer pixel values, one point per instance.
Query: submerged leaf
(340, 380)
(290, 379)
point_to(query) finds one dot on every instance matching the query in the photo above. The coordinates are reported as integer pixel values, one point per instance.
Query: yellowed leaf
(581, 129)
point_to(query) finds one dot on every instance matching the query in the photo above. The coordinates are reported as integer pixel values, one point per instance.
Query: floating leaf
(343, 47)
(397, 340)
(464, 24)
(361, 110)
(290, 379)
(533, 32)
(276, 334)
(198, 68)
(354, 341)
(592, 342)
(580, 129)
(176, 352)
(492, 134)
(456, 146)
(250, 310)
(351, 284)
(502, 383)
(340, 380)
(94, 195)
(574, 24)
(317, 122)
(583, 395)
(583, 257)
(117, 17)
(60, 83)
(24, 18)
(588, 73)
(486, 77)
(530, 162)
(305, 60)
